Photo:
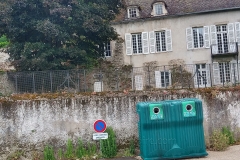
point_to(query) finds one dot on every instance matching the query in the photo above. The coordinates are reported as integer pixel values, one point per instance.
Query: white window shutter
(145, 42)
(231, 37)
(213, 35)
(158, 79)
(208, 75)
(168, 40)
(128, 43)
(234, 71)
(206, 36)
(237, 32)
(216, 74)
(170, 78)
(152, 41)
(139, 82)
(189, 36)
(195, 76)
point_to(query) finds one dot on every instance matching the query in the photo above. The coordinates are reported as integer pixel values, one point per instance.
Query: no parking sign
(100, 126)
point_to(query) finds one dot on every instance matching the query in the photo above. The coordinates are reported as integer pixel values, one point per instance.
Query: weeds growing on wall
(70, 150)
(108, 146)
(221, 139)
(229, 134)
(132, 147)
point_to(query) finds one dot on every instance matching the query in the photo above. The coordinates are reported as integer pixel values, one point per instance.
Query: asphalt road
(232, 153)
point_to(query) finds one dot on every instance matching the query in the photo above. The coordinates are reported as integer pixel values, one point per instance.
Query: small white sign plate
(98, 136)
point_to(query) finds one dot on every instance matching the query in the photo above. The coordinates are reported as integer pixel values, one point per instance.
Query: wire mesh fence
(118, 79)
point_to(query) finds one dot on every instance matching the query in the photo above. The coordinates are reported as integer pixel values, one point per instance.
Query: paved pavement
(232, 153)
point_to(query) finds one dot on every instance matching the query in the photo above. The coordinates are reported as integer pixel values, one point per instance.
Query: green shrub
(108, 146)
(69, 151)
(219, 141)
(229, 134)
(48, 153)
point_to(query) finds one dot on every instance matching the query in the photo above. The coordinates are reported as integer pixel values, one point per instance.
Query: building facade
(196, 32)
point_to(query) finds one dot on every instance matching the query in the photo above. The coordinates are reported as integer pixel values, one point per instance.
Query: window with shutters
(224, 72)
(137, 43)
(107, 50)
(160, 41)
(163, 79)
(198, 37)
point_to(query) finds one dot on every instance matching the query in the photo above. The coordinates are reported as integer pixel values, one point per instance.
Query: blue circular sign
(100, 125)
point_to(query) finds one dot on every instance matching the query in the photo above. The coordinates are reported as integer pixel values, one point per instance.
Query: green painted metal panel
(172, 131)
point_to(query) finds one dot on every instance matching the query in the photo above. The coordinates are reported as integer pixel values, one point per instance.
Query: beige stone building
(204, 34)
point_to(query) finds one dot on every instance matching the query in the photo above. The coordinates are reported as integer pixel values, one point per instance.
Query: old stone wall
(40, 122)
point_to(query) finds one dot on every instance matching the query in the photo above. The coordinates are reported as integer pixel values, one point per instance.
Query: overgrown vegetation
(108, 146)
(221, 139)
(48, 153)
(53, 34)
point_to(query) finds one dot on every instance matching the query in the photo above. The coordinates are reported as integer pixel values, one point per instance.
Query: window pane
(160, 41)
(163, 40)
(195, 38)
(158, 9)
(134, 43)
(139, 43)
(108, 49)
(198, 37)
(132, 12)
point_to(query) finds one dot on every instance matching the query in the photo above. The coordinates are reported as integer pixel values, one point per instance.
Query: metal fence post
(78, 81)
(132, 79)
(51, 83)
(84, 74)
(210, 74)
(33, 82)
(16, 80)
(164, 68)
(101, 80)
(181, 75)
(234, 74)
(149, 78)
(68, 77)
(117, 79)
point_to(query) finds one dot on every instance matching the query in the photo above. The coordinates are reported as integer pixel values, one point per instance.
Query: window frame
(224, 72)
(198, 37)
(130, 14)
(107, 49)
(138, 42)
(160, 41)
(157, 7)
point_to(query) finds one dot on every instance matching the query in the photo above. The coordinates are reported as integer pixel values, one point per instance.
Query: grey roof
(180, 7)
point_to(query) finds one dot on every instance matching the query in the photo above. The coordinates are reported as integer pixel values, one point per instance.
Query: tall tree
(57, 34)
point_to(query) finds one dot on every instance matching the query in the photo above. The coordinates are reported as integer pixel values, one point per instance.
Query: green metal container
(171, 129)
